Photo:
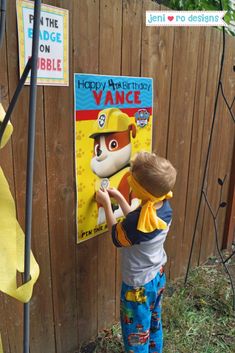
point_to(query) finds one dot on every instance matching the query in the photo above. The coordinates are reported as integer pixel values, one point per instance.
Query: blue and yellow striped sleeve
(125, 233)
(119, 236)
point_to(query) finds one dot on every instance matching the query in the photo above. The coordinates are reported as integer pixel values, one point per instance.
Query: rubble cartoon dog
(111, 155)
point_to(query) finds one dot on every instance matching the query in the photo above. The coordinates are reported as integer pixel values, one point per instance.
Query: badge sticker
(101, 120)
(142, 117)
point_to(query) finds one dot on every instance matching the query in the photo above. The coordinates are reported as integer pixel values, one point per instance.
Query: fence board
(227, 132)
(6, 152)
(131, 37)
(131, 66)
(109, 63)
(86, 59)
(60, 180)
(229, 234)
(3, 326)
(157, 58)
(181, 114)
(42, 320)
(156, 62)
(212, 81)
(196, 164)
(212, 190)
(6, 165)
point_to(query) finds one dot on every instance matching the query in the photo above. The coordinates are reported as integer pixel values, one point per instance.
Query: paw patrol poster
(113, 121)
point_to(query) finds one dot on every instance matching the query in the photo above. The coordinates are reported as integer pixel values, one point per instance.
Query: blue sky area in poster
(99, 92)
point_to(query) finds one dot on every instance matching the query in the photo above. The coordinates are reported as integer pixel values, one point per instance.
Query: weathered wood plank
(131, 37)
(59, 136)
(42, 319)
(3, 325)
(197, 156)
(130, 66)
(212, 82)
(6, 165)
(229, 235)
(6, 153)
(156, 62)
(86, 59)
(109, 63)
(228, 131)
(180, 129)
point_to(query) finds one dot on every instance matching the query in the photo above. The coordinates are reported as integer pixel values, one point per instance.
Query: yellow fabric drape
(148, 219)
(8, 130)
(12, 243)
(1, 347)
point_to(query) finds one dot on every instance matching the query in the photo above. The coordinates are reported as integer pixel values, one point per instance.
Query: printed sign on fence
(113, 121)
(53, 65)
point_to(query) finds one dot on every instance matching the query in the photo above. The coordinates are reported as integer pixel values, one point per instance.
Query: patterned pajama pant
(141, 316)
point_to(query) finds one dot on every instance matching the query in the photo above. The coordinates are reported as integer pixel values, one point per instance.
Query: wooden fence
(77, 293)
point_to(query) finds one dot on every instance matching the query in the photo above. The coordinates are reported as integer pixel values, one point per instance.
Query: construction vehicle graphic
(126, 314)
(136, 295)
(155, 316)
(137, 339)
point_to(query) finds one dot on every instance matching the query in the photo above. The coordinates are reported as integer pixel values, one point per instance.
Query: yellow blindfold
(148, 219)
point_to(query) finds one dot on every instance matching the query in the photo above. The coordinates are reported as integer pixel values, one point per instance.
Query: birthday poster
(113, 121)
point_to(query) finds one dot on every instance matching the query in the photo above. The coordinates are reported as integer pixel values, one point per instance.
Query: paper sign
(113, 121)
(53, 62)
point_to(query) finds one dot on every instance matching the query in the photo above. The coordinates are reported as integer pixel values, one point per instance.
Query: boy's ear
(132, 128)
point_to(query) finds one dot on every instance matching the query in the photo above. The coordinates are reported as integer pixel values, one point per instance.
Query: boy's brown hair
(154, 173)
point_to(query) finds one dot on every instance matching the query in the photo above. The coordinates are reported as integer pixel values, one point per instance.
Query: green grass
(197, 318)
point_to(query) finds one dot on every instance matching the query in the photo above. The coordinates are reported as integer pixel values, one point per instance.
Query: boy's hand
(114, 193)
(102, 197)
(117, 195)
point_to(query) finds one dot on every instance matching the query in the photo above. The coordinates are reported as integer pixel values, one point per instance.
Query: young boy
(141, 236)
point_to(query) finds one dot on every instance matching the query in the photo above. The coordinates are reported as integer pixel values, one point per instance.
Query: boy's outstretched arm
(126, 208)
(102, 197)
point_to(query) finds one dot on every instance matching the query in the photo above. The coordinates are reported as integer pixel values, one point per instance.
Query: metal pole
(3, 20)
(30, 165)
